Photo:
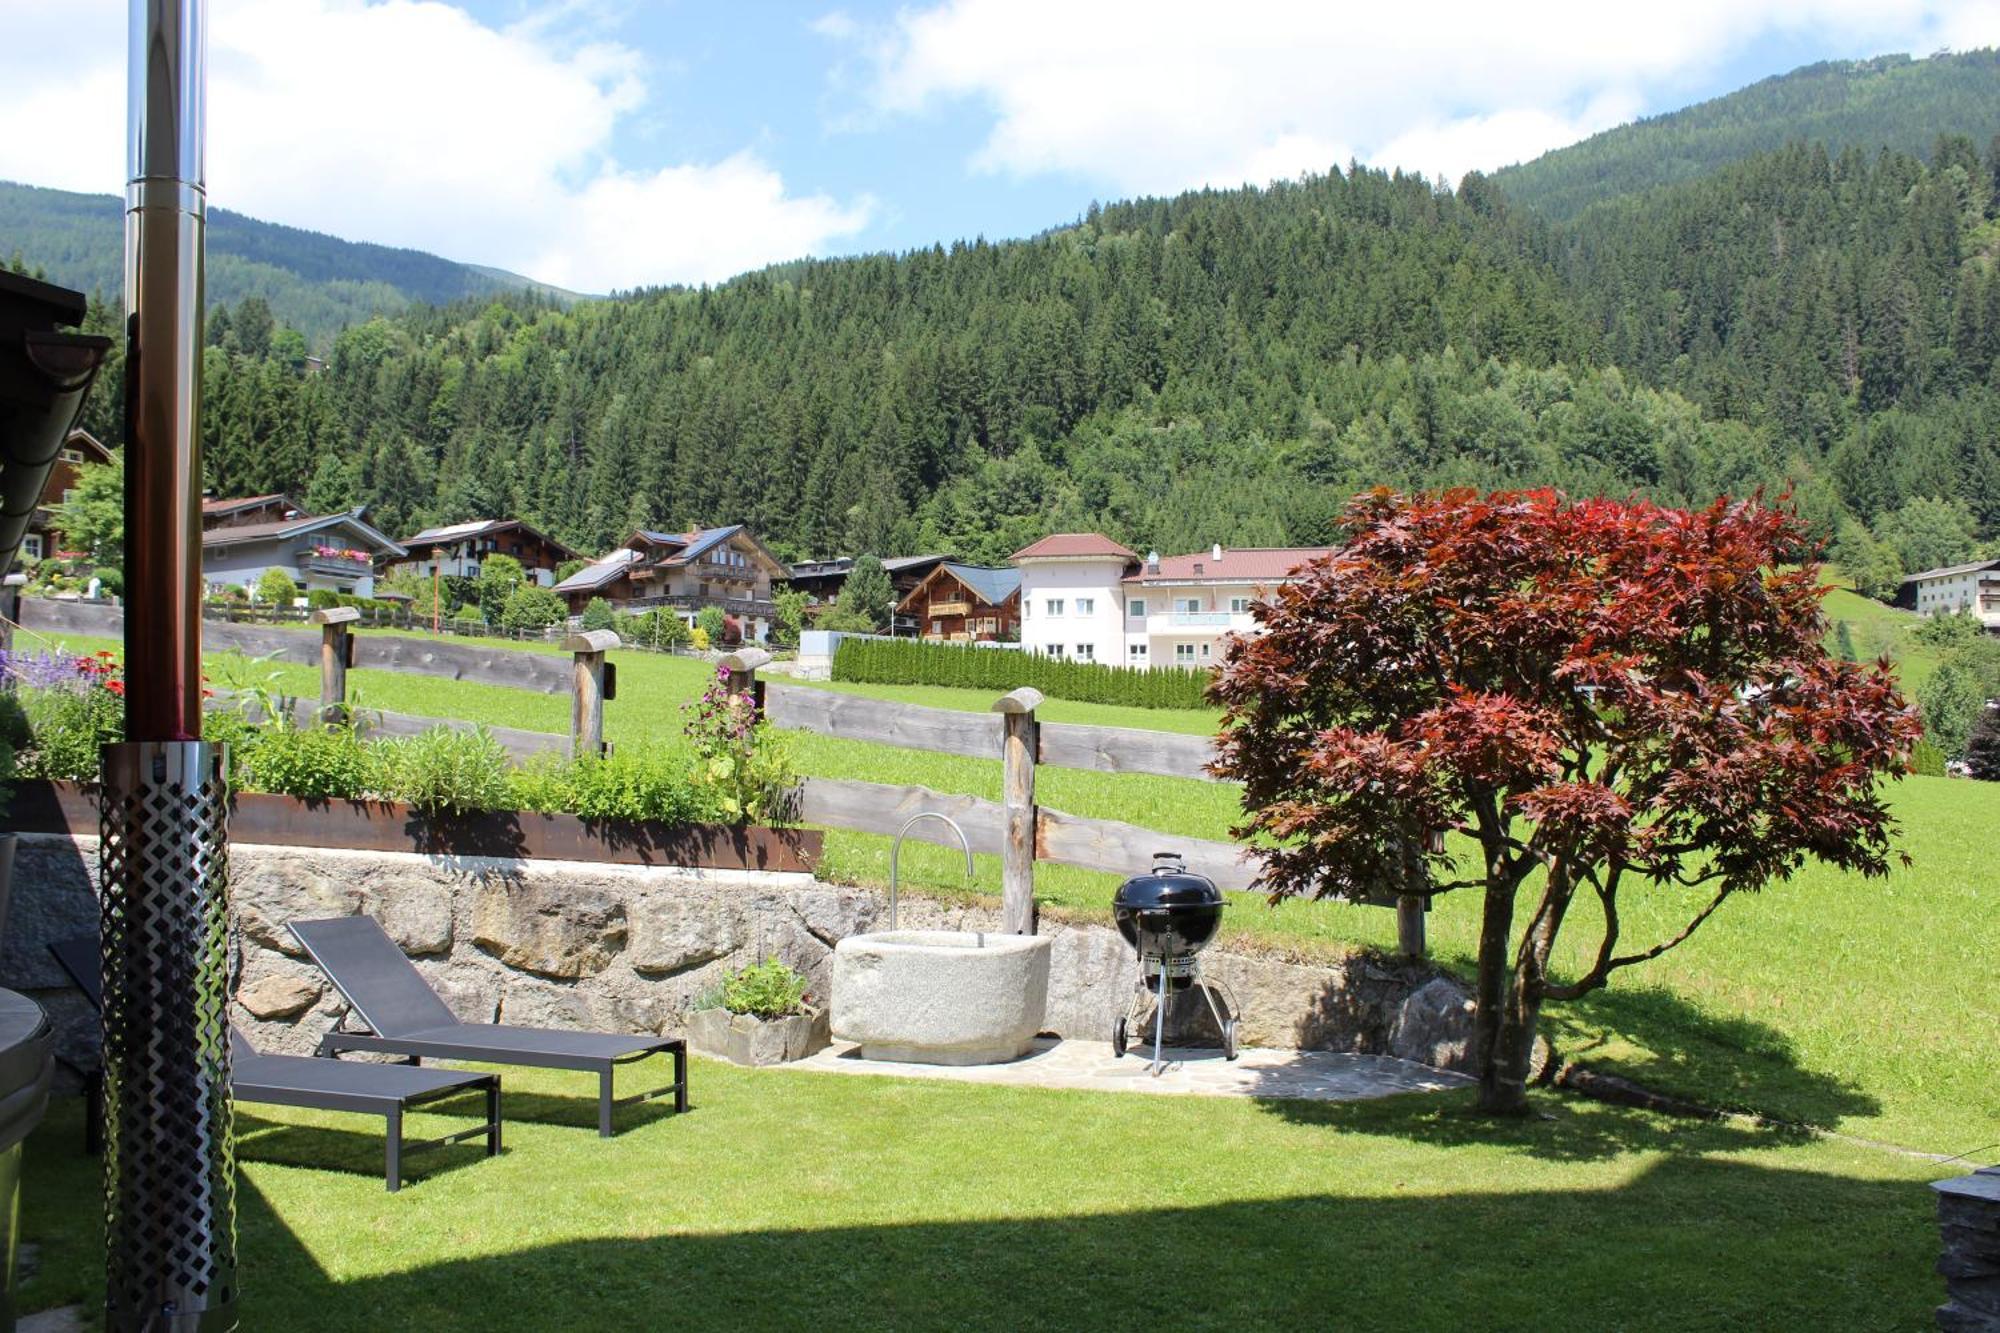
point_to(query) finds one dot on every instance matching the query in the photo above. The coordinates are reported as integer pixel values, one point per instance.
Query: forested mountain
(313, 283)
(1220, 366)
(1889, 102)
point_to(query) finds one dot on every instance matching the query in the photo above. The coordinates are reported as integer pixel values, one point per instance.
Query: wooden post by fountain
(594, 682)
(1019, 744)
(336, 654)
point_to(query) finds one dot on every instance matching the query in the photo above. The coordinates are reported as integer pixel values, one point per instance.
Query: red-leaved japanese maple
(1610, 692)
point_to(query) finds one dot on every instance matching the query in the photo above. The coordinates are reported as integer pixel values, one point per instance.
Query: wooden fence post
(742, 668)
(10, 608)
(336, 654)
(1410, 909)
(1018, 752)
(589, 688)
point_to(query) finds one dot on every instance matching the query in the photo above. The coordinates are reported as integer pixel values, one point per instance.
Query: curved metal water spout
(896, 851)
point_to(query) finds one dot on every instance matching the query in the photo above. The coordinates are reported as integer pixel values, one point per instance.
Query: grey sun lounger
(314, 1084)
(404, 1016)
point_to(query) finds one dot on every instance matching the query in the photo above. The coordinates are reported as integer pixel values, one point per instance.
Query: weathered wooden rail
(1017, 829)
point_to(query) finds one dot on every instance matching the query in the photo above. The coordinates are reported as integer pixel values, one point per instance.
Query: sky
(604, 145)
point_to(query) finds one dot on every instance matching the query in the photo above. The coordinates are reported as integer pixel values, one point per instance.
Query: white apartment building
(1973, 587)
(1086, 598)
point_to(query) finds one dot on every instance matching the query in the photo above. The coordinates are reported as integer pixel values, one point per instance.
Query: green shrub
(597, 614)
(320, 763)
(1927, 760)
(530, 608)
(911, 662)
(70, 721)
(768, 989)
(742, 766)
(442, 771)
(110, 580)
(322, 599)
(275, 588)
(710, 621)
(633, 782)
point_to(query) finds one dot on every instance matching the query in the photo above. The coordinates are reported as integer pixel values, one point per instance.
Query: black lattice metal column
(169, 1168)
(169, 1182)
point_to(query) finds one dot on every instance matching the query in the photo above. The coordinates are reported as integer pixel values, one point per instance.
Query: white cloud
(409, 122)
(1157, 95)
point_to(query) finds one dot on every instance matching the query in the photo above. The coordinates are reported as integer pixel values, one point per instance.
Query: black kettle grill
(1169, 915)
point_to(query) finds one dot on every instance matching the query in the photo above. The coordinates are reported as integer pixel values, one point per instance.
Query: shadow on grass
(358, 1144)
(1690, 1242)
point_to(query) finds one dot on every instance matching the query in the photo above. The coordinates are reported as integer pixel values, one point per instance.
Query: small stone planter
(746, 1039)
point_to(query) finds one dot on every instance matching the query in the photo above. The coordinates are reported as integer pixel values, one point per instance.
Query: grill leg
(1160, 1023)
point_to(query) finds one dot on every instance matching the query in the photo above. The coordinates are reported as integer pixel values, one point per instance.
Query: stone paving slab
(1327, 1076)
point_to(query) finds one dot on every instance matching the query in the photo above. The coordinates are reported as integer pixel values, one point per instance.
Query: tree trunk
(1492, 1001)
(1503, 1080)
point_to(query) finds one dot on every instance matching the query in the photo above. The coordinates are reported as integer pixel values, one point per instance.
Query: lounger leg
(493, 1119)
(604, 1102)
(395, 1168)
(680, 1078)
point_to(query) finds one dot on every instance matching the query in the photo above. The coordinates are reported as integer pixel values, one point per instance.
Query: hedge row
(912, 662)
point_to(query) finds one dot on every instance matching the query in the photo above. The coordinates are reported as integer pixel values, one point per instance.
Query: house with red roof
(1087, 598)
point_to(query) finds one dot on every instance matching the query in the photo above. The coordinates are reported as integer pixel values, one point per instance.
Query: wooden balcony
(951, 608)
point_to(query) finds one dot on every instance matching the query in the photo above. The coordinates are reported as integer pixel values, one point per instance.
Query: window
(31, 546)
(937, 627)
(1239, 606)
(1136, 653)
(1204, 652)
(72, 455)
(1055, 650)
(1188, 606)
(1136, 608)
(1054, 606)
(1086, 606)
(1184, 654)
(1086, 652)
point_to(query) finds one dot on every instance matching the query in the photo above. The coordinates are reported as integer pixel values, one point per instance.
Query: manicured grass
(791, 1200)
(1865, 1006)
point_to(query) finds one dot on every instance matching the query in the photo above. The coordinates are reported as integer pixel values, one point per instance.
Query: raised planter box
(388, 826)
(746, 1039)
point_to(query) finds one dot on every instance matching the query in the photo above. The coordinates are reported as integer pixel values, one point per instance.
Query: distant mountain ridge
(315, 283)
(1891, 101)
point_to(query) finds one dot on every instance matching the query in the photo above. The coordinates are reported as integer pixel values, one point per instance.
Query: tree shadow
(1687, 1242)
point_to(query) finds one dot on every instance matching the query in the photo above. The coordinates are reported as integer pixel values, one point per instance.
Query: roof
(1950, 571)
(211, 507)
(1070, 544)
(601, 573)
(993, 586)
(299, 527)
(79, 438)
(897, 564)
(452, 532)
(702, 540)
(1239, 563)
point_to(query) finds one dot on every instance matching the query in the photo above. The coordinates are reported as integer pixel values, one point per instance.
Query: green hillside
(314, 283)
(1891, 101)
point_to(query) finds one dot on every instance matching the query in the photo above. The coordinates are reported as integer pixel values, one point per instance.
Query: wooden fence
(1017, 829)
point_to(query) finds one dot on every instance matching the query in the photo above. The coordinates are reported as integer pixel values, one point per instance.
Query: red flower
(117, 687)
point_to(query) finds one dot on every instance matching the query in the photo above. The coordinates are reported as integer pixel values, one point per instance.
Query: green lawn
(790, 1200)
(1864, 1006)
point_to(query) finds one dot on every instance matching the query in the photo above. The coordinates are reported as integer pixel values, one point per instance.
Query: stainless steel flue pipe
(169, 1170)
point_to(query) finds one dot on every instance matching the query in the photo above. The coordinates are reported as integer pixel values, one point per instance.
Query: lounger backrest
(79, 958)
(391, 996)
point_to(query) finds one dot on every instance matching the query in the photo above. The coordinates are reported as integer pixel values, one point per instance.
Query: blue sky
(604, 144)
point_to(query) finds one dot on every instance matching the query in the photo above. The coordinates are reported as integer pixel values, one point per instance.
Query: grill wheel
(1118, 1037)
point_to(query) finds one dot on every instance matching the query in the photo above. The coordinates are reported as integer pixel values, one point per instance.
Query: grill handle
(1170, 860)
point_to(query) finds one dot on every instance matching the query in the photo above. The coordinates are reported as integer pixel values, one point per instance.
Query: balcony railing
(332, 566)
(1199, 619)
(951, 608)
(732, 606)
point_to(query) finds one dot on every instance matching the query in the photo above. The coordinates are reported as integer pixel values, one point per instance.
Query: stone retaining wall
(630, 948)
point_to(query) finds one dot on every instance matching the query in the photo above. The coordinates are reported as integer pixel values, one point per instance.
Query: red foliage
(1603, 689)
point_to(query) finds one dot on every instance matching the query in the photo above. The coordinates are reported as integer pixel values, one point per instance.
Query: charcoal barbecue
(1169, 915)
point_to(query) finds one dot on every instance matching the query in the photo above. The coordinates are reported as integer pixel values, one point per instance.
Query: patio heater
(169, 1169)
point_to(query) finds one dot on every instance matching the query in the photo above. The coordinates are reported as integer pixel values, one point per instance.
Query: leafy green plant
(316, 763)
(442, 770)
(597, 614)
(275, 588)
(710, 621)
(71, 719)
(633, 782)
(529, 607)
(770, 989)
(742, 764)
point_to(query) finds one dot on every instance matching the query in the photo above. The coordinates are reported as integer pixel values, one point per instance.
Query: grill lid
(1169, 886)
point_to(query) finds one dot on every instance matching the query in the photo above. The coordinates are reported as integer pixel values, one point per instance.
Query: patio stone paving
(1329, 1076)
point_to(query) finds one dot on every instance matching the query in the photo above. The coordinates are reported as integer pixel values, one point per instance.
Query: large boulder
(675, 931)
(551, 929)
(1434, 1026)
